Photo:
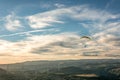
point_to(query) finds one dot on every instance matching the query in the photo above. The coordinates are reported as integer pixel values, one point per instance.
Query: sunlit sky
(52, 30)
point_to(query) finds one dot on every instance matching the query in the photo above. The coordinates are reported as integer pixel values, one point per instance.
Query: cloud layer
(103, 28)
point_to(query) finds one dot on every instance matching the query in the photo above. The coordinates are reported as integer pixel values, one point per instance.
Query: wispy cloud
(24, 47)
(49, 18)
(45, 19)
(81, 13)
(103, 29)
(29, 32)
(56, 46)
(12, 23)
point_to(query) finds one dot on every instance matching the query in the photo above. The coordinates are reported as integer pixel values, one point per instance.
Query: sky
(52, 30)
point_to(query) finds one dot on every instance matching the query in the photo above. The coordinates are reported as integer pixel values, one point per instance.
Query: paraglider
(85, 39)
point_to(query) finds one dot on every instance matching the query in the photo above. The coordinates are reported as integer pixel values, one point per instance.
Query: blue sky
(36, 29)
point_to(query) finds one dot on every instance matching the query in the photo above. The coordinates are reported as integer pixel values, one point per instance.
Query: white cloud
(42, 20)
(81, 13)
(52, 47)
(49, 18)
(103, 29)
(29, 32)
(26, 45)
(12, 23)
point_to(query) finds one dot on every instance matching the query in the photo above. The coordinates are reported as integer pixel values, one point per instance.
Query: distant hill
(104, 69)
(47, 65)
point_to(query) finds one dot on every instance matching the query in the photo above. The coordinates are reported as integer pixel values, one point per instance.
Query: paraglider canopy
(84, 40)
(85, 37)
